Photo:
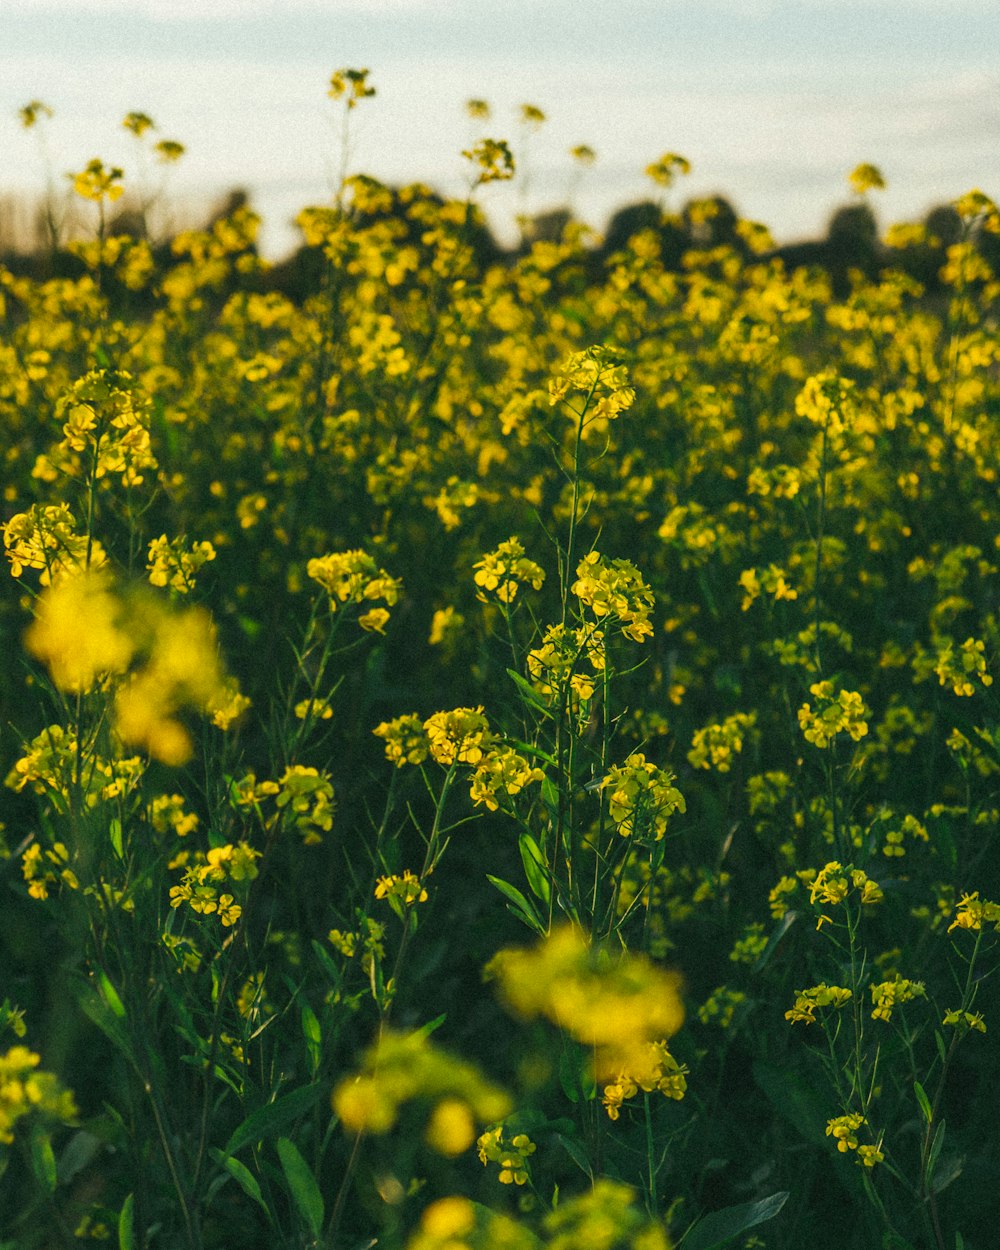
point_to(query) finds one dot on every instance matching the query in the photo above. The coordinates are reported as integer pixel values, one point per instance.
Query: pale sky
(773, 101)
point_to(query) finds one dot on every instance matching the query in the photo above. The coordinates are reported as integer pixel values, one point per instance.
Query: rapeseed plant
(690, 668)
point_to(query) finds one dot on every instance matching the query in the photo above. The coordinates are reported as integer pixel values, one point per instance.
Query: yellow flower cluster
(599, 376)
(510, 1154)
(457, 1223)
(48, 766)
(500, 774)
(164, 661)
(964, 670)
(844, 1129)
(46, 538)
(773, 581)
(42, 869)
(499, 573)
(614, 1006)
(403, 888)
(553, 665)
(354, 577)
(170, 563)
(303, 797)
(461, 736)
(807, 1002)
(886, 995)
(836, 713)
(642, 798)
(403, 1068)
(973, 912)
(614, 590)
(24, 1091)
(657, 1070)
(715, 745)
(203, 886)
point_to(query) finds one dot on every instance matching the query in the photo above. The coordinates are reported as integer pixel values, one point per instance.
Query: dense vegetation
(504, 750)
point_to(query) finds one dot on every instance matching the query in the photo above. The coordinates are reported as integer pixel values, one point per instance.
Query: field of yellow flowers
(498, 755)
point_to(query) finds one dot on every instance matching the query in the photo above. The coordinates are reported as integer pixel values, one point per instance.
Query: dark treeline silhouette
(851, 244)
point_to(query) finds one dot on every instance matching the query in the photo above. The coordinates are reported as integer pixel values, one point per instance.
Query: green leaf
(521, 908)
(719, 1227)
(925, 1102)
(431, 1026)
(115, 833)
(935, 1150)
(947, 1170)
(575, 1075)
(99, 1013)
(301, 1184)
(793, 1098)
(534, 867)
(764, 958)
(313, 1035)
(577, 1153)
(43, 1159)
(266, 1121)
(959, 1241)
(126, 1224)
(110, 995)
(242, 1176)
(529, 694)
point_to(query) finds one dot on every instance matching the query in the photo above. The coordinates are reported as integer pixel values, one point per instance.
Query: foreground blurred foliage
(471, 787)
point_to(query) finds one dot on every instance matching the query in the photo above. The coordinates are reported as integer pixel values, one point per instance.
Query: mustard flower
(828, 400)
(405, 888)
(715, 745)
(501, 774)
(866, 178)
(79, 632)
(973, 912)
(352, 84)
(446, 627)
(24, 1090)
(98, 182)
(887, 994)
(492, 160)
(642, 798)
(460, 736)
(965, 1021)
(403, 1068)
(354, 577)
(509, 1151)
(665, 170)
(836, 712)
(168, 563)
(553, 665)
(720, 1006)
(607, 1214)
(655, 1069)
(844, 1130)
(614, 1005)
(501, 572)
(306, 796)
(808, 1001)
(46, 538)
(406, 740)
(614, 589)
(961, 672)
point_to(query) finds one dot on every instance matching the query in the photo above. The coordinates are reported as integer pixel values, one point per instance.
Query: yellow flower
(866, 178)
(406, 740)
(502, 571)
(642, 798)
(78, 632)
(96, 182)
